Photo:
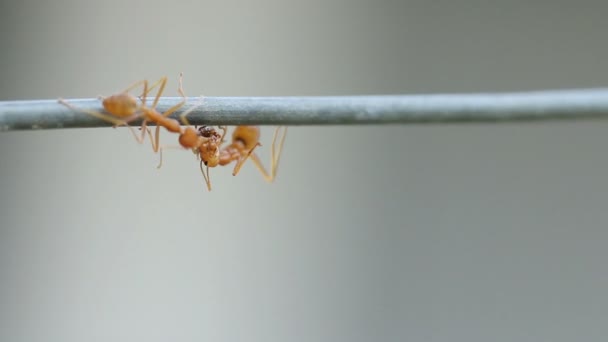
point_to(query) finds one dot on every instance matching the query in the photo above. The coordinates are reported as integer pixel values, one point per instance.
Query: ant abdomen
(249, 136)
(121, 105)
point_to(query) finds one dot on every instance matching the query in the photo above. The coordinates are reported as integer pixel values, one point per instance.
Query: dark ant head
(205, 131)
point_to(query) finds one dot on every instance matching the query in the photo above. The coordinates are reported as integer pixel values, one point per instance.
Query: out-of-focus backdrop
(385, 233)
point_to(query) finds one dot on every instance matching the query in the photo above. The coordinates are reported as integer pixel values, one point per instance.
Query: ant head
(205, 131)
(210, 155)
(208, 132)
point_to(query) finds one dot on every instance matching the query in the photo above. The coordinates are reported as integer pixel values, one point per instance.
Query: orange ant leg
(156, 139)
(131, 87)
(156, 147)
(147, 89)
(183, 116)
(258, 164)
(154, 85)
(180, 89)
(144, 123)
(156, 143)
(224, 129)
(162, 82)
(160, 151)
(277, 156)
(135, 85)
(274, 159)
(242, 160)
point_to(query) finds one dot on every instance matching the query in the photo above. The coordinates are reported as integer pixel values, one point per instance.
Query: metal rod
(335, 110)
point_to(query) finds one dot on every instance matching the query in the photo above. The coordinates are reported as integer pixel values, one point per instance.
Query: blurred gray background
(421, 233)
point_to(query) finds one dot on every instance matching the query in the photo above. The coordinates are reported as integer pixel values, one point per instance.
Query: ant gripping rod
(332, 110)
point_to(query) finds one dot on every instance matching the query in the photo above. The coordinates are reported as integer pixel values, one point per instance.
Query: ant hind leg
(276, 155)
(242, 160)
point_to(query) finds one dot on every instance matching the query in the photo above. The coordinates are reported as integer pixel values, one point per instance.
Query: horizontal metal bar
(334, 110)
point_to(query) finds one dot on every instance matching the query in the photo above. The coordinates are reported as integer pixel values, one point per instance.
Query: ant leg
(140, 139)
(161, 148)
(152, 140)
(154, 85)
(155, 141)
(147, 89)
(180, 89)
(182, 116)
(163, 83)
(143, 128)
(156, 147)
(135, 85)
(274, 159)
(276, 156)
(224, 129)
(242, 160)
(207, 178)
(156, 144)
(258, 164)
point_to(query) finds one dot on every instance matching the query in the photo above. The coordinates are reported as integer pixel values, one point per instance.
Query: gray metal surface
(339, 110)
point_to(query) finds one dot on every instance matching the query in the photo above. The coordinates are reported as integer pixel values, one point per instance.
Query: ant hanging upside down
(206, 142)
